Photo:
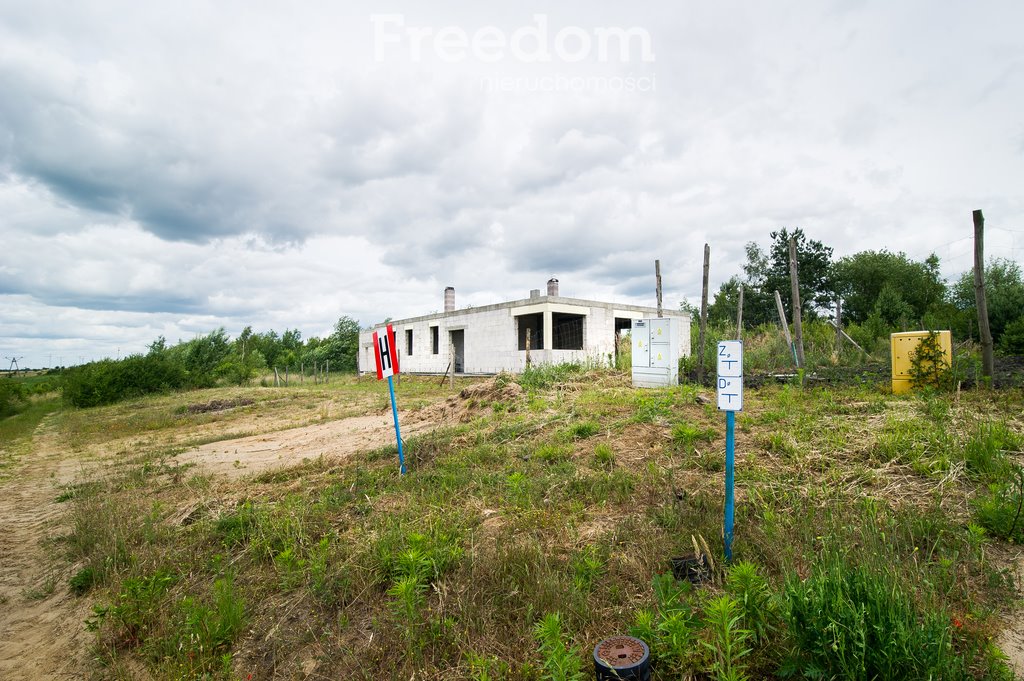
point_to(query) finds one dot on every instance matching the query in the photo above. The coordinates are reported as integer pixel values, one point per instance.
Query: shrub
(109, 381)
(929, 365)
(12, 397)
(1012, 340)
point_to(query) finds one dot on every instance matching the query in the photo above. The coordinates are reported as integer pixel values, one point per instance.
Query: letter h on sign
(384, 353)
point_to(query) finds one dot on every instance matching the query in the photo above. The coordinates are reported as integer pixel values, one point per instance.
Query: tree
(767, 273)
(1004, 291)
(861, 278)
(202, 355)
(340, 348)
(723, 309)
(892, 309)
(814, 265)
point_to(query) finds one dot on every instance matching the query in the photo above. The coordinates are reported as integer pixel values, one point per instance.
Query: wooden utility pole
(839, 325)
(703, 316)
(528, 334)
(794, 282)
(657, 285)
(785, 325)
(739, 316)
(987, 358)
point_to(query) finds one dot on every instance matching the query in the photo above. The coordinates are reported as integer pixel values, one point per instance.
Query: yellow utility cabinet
(903, 346)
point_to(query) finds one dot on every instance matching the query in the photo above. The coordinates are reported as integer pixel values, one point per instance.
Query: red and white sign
(385, 352)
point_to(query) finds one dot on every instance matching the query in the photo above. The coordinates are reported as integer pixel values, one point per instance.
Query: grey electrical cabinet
(655, 352)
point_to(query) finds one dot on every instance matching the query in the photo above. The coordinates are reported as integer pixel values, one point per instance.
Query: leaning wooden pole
(987, 357)
(702, 332)
(839, 325)
(785, 325)
(794, 282)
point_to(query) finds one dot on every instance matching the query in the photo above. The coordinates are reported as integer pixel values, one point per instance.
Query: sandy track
(42, 635)
(333, 440)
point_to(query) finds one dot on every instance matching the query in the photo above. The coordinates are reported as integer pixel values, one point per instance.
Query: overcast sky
(169, 168)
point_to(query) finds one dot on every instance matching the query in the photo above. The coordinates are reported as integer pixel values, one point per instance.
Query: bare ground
(41, 622)
(286, 448)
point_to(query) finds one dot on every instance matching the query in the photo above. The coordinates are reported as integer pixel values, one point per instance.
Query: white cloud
(167, 169)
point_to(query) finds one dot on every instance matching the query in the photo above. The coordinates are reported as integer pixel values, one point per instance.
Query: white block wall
(491, 340)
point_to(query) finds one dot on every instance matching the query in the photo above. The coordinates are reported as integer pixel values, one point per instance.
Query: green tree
(201, 357)
(814, 266)
(768, 272)
(860, 279)
(340, 348)
(892, 309)
(723, 309)
(1004, 296)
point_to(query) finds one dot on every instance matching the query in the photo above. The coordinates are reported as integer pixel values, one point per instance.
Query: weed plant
(855, 621)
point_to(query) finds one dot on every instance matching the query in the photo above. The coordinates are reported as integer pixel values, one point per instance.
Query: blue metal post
(730, 427)
(398, 433)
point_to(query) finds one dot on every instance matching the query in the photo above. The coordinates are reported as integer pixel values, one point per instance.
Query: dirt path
(281, 449)
(41, 623)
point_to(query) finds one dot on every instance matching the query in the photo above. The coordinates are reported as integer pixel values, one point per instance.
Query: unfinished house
(494, 338)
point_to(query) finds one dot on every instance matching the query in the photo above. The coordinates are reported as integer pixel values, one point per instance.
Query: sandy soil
(1011, 639)
(41, 630)
(282, 449)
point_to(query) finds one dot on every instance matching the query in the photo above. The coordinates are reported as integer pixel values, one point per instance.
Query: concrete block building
(494, 338)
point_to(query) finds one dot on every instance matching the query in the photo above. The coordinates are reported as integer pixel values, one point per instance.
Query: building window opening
(534, 324)
(435, 340)
(566, 331)
(408, 342)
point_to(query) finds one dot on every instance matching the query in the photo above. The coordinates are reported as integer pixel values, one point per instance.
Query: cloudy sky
(169, 168)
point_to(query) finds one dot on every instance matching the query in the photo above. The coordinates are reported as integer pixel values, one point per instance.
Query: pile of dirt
(461, 408)
(218, 405)
(498, 389)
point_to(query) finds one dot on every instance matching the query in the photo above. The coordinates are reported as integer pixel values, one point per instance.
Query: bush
(1012, 340)
(109, 381)
(929, 365)
(12, 397)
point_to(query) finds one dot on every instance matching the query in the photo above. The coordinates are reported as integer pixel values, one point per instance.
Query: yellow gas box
(903, 346)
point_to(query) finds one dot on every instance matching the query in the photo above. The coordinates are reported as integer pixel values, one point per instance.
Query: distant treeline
(207, 361)
(881, 292)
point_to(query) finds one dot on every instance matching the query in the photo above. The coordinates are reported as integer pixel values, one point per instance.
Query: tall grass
(857, 621)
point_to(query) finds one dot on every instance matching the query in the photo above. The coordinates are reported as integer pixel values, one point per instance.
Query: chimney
(552, 287)
(535, 293)
(449, 299)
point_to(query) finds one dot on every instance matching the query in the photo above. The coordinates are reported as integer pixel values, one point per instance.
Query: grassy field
(873, 534)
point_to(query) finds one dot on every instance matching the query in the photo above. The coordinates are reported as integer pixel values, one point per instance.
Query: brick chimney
(449, 299)
(552, 287)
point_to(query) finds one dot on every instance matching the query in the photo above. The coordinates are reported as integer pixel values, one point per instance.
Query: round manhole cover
(621, 651)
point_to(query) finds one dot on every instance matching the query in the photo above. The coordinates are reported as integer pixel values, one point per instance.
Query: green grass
(573, 508)
(16, 431)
